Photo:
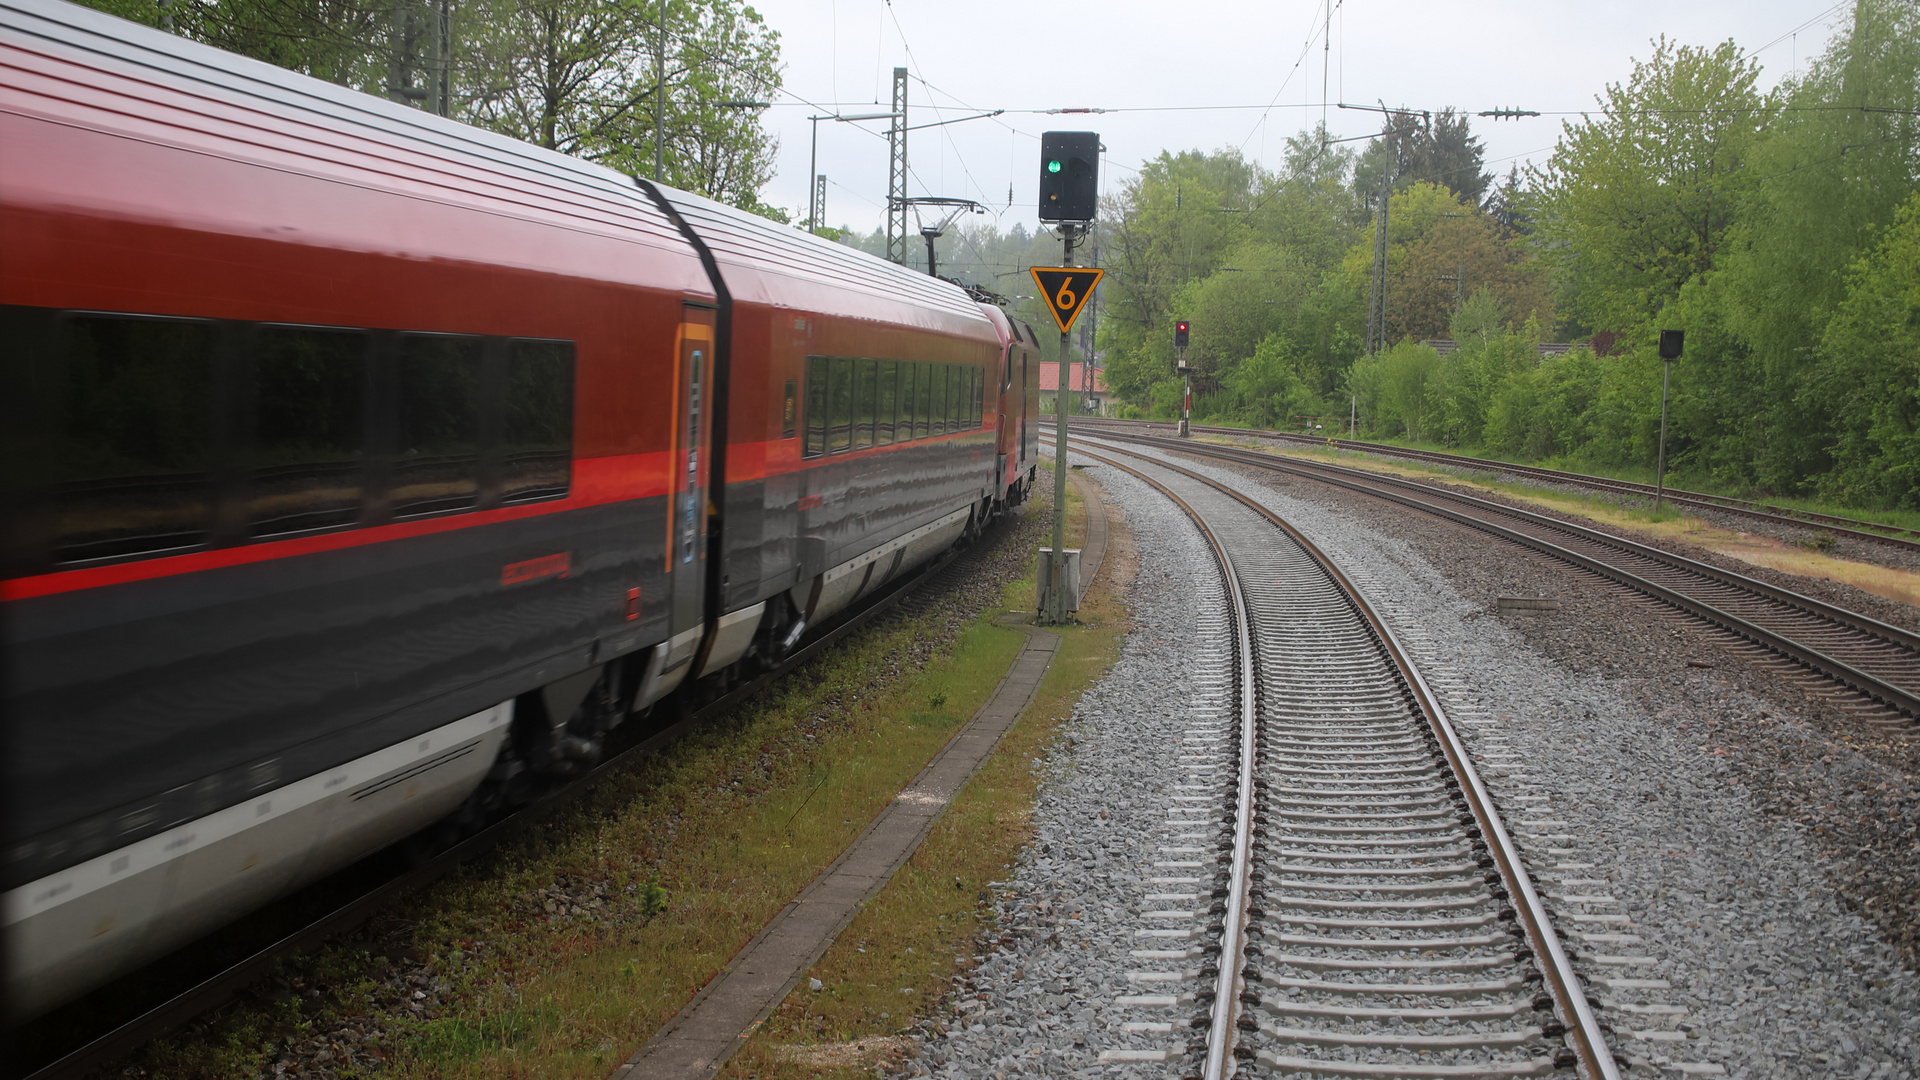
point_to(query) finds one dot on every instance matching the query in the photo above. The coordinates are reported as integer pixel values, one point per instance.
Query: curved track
(1854, 528)
(1370, 915)
(1876, 666)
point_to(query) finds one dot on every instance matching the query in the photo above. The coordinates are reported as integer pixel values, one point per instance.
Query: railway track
(1368, 914)
(1854, 528)
(1870, 667)
(177, 1009)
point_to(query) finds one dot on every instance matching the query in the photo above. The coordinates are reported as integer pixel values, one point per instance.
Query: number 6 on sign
(1067, 289)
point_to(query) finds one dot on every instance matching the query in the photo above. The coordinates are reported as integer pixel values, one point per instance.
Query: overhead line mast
(897, 171)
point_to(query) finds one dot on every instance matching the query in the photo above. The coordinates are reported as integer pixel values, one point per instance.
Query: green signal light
(1053, 166)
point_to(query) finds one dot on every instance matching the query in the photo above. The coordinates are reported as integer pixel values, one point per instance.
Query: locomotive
(365, 469)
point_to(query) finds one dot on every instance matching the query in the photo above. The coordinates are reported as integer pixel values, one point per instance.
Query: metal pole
(1377, 302)
(813, 169)
(1353, 416)
(897, 171)
(1660, 470)
(1058, 611)
(443, 93)
(1186, 401)
(660, 101)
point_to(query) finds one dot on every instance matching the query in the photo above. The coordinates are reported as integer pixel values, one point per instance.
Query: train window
(840, 405)
(789, 410)
(158, 434)
(863, 387)
(886, 402)
(436, 459)
(903, 422)
(816, 443)
(979, 394)
(536, 433)
(922, 397)
(942, 399)
(134, 467)
(308, 428)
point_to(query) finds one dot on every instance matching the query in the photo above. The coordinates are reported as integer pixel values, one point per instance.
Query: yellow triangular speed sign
(1066, 290)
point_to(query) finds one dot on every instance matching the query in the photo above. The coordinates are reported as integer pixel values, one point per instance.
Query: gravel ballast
(1709, 837)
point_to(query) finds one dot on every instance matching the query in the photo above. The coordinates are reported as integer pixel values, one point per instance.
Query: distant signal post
(1069, 195)
(1180, 331)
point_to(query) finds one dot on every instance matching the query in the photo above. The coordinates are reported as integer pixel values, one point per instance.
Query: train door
(687, 517)
(1029, 400)
(1025, 357)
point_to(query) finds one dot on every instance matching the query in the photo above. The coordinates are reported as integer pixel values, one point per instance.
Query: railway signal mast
(1670, 345)
(1180, 329)
(1069, 195)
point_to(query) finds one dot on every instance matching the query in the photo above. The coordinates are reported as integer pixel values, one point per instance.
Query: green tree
(1486, 355)
(1242, 252)
(1426, 148)
(1636, 202)
(1266, 388)
(1398, 391)
(1830, 176)
(1441, 249)
(1164, 229)
(578, 76)
(575, 76)
(1869, 370)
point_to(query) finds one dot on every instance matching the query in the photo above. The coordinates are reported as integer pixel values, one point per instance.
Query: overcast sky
(1177, 58)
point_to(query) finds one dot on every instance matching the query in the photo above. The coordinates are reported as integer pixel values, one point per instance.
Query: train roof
(154, 87)
(767, 262)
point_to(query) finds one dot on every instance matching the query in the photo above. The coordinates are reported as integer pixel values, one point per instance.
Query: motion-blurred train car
(364, 469)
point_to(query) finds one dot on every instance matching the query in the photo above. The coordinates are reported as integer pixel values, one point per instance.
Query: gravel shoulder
(1839, 593)
(1733, 860)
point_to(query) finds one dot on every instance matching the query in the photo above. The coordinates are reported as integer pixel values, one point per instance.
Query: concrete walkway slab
(731, 1007)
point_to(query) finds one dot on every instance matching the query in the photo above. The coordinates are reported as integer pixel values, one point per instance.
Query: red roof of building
(1050, 378)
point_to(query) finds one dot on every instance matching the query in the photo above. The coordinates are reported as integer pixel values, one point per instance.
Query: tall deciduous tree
(578, 76)
(1173, 222)
(1636, 202)
(1836, 166)
(1426, 148)
(1869, 372)
(1442, 250)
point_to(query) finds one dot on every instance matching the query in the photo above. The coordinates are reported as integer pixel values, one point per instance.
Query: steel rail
(1374, 484)
(1584, 1034)
(220, 987)
(1779, 515)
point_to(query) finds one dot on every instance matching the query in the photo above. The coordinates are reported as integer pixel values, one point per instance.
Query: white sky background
(1035, 54)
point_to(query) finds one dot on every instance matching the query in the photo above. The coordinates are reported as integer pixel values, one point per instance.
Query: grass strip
(1669, 523)
(893, 966)
(1704, 483)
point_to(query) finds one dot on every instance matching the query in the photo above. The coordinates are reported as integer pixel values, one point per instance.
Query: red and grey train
(362, 465)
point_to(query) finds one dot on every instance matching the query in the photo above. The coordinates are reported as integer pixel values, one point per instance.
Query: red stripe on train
(596, 482)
